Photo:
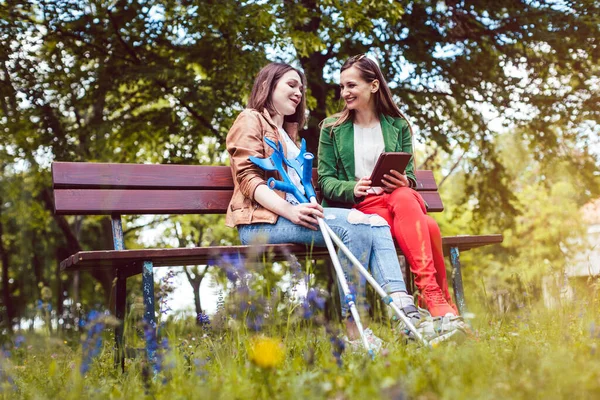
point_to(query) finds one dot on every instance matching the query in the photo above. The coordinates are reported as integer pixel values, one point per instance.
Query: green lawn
(532, 353)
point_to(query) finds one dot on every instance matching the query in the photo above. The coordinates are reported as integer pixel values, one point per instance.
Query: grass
(533, 353)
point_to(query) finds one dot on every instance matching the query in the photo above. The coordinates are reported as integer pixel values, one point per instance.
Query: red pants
(417, 234)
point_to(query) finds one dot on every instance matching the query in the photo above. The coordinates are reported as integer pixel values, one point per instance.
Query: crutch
(303, 166)
(275, 163)
(306, 177)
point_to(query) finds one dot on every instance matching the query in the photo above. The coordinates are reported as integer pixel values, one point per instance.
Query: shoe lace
(436, 296)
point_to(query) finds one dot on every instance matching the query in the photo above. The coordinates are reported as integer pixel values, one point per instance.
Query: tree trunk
(6, 298)
(36, 263)
(59, 293)
(313, 67)
(195, 282)
(197, 302)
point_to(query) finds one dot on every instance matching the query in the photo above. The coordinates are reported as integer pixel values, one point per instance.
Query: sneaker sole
(447, 336)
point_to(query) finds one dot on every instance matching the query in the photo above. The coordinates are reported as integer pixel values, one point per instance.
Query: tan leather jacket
(245, 139)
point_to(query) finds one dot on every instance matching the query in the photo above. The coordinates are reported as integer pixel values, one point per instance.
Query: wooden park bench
(136, 189)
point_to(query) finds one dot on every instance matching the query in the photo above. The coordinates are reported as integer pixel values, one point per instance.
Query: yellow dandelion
(266, 352)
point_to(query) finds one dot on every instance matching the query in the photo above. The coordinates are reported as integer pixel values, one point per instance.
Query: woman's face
(356, 92)
(287, 93)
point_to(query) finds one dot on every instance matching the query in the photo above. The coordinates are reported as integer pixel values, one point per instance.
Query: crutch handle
(307, 175)
(288, 188)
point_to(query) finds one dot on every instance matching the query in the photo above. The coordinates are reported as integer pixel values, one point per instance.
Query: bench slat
(76, 175)
(117, 201)
(467, 242)
(110, 259)
(136, 202)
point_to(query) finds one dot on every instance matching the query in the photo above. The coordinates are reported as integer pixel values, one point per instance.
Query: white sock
(402, 299)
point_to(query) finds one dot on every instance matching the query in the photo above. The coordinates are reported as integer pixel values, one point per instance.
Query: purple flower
(203, 319)
(233, 264)
(255, 322)
(93, 342)
(19, 340)
(313, 301)
(339, 346)
(201, 367)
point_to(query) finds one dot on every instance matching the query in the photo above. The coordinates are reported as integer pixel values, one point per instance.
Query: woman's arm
(302, 214)
(331, 186)
(407, 147)
(245, 139)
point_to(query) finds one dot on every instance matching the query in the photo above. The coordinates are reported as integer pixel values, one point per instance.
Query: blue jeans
(367, 236)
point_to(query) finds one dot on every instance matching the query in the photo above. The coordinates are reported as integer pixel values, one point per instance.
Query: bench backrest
(106, 188)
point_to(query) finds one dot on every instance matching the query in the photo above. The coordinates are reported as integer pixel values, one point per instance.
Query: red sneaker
(434, 300)
(449, 299)
(451, 304)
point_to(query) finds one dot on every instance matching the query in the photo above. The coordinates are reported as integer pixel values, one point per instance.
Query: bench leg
(457, 283)
(120, 307)
(407, 274)
(149, 318)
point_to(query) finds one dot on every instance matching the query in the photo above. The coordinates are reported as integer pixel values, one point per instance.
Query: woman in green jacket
(349, 146)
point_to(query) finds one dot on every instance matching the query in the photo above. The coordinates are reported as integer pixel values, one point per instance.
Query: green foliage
(162, 80)
(547, 230)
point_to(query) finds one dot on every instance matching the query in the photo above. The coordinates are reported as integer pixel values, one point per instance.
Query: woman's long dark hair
(261, 96)
(369, 71)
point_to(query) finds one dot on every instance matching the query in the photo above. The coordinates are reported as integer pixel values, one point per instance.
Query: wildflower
(166, 288)
(337, 343)
(5, 351)
(200, 364)
(312, 301)
(266, 352)
(203, 319)
(255, 322)
(93, 342)
(233, 264)
(152, 346)
(19, 340)
(339, 346)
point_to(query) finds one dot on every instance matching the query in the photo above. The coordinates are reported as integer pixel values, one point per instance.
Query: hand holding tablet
(389, 161)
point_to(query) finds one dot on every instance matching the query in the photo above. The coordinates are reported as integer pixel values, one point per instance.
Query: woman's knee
(405, 198)
(432, 226)
(354, 224)
(401, 194)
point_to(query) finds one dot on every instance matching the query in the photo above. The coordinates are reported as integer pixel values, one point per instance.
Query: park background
(503, 97)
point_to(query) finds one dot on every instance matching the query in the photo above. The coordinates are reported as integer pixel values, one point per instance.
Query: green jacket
(336, 158)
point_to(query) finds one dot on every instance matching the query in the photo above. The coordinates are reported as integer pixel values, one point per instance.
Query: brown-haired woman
(350, 143)
(275, 110)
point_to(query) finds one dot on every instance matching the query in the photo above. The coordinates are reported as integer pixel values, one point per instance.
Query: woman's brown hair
(261, 96)
(384, 102)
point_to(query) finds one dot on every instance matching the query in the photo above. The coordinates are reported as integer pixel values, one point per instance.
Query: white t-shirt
(292, 151)
(368, 145)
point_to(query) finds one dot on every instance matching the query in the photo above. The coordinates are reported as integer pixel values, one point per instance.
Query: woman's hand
(305, 214)
(363, 184)
(394, 180)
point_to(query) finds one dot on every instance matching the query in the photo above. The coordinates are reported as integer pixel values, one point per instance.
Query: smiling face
(357, 92)
(287, 94)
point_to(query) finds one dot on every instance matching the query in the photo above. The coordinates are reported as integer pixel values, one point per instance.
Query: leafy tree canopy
(162, 81)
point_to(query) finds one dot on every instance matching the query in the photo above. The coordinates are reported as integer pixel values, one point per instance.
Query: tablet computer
(386, 162)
